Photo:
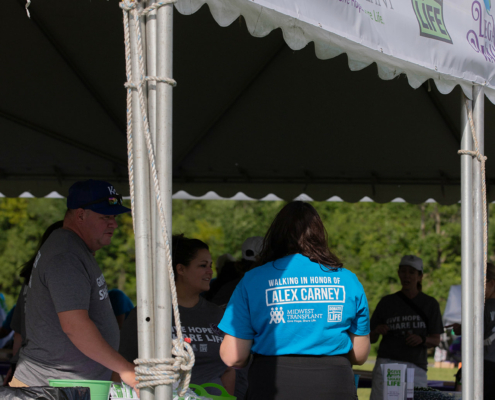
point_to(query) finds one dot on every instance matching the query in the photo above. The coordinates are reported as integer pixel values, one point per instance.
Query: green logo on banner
(429, 14)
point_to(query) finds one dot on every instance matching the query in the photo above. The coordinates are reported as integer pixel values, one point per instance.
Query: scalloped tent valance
(251, 114)
(451, 42)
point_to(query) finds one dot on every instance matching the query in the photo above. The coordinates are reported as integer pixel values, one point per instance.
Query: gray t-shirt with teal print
(65, 277)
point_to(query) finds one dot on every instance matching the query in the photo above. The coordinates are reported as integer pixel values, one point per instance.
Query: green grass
(434, 374)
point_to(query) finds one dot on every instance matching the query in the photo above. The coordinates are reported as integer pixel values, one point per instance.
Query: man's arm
(84, 334)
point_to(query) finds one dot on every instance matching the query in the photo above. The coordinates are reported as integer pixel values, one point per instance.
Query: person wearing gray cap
(71, 332)
(410, 322)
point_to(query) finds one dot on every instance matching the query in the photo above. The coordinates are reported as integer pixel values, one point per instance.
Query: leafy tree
(370, 239)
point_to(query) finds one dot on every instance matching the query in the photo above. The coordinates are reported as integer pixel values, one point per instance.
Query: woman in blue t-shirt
(302, 315)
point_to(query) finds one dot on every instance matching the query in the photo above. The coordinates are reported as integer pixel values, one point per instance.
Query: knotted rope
(154, 371)
(482, 159)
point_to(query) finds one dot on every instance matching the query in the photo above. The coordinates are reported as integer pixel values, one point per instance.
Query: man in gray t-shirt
(71, 331)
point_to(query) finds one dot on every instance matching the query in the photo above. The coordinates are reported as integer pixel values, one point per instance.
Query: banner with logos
(449, 41)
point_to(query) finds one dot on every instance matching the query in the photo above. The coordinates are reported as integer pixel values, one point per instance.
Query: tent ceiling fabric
(250, 114)
(452, 45)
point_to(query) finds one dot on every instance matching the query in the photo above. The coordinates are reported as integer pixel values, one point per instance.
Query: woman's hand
(456, 327)
(414, 340)
(381, 329)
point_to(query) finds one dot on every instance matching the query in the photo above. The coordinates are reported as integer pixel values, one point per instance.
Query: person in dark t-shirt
(410, 322)
(191, 260)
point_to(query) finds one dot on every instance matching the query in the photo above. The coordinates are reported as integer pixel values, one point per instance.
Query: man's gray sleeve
(68, 282)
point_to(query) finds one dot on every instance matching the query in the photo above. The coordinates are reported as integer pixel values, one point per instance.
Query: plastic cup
(99, 389)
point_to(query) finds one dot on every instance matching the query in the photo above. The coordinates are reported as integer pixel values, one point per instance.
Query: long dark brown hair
(184, 250)
(298, 228)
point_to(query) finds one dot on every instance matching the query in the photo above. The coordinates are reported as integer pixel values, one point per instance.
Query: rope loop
(156, 6)
(170, 81)
(151, 372)
(481, 158)
(128, 5)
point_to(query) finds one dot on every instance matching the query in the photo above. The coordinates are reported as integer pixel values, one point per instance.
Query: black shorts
(301, 377)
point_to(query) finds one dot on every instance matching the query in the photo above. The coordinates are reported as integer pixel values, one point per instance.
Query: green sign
(429, 14)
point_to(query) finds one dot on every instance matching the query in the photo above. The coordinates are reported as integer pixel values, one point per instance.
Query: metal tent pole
(141, 217)
(162, 327)
(163, 334)
(478, 262)
(151, 71)
(467, 255)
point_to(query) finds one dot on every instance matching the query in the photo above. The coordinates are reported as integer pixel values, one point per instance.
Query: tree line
(369, 238)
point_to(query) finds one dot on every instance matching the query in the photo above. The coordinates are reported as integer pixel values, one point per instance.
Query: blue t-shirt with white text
(296, 306)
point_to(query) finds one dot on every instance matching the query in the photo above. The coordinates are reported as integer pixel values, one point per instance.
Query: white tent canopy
(250, 115)
(255, 116)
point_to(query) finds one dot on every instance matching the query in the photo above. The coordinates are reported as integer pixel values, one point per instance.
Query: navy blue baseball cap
(98, 196)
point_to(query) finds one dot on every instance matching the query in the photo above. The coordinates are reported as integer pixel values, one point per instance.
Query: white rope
(156, 6)
(482, 159)
(170, 81)
(28, 3)
(161, 371)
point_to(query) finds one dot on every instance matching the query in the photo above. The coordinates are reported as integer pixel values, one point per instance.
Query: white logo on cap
(112, 190)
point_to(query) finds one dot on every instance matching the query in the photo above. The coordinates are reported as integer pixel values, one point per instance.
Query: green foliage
(22, 223)
(224, 224)
(369, 238)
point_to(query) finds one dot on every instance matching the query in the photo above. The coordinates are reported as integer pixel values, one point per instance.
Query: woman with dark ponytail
(191, 261)
(410, 322)
(302, 315)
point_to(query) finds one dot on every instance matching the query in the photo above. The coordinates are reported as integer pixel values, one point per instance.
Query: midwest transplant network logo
(429, 14)
(277, 316)
(482, 38)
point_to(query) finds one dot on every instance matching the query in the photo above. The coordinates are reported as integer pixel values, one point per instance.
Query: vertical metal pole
(478, 262)
(142, 218)
(151, 71)
(467, 256)
(151, 68)
(163, 335)
(156, 234)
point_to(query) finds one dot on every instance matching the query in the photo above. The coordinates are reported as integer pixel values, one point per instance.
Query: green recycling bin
(200, 390)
